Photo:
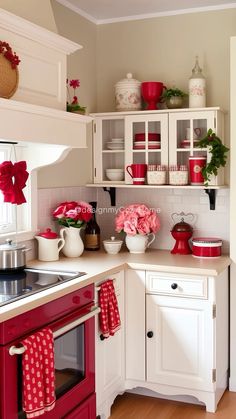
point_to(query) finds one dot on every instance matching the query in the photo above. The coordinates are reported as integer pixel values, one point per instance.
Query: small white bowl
(112, 246)
(115, 174)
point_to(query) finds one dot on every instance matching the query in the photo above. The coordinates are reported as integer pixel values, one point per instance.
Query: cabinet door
(146, 140)
(110, 353)
(135, 324)
(180, 352)
(185, 130)
(108, 151)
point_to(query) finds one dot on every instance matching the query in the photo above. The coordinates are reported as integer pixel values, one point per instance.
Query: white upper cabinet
(165, 137)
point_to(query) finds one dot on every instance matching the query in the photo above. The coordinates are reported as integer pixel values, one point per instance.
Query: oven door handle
(13, 350)
(94, 310)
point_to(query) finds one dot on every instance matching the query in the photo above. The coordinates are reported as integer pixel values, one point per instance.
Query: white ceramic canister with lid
(128, 94)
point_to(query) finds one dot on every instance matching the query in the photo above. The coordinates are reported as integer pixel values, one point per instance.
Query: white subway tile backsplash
(165, 201)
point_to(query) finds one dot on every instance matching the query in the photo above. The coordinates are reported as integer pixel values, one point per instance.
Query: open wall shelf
(111, 189)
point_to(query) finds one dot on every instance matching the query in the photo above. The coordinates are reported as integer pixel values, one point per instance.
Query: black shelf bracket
(212, 198)
(112, 192)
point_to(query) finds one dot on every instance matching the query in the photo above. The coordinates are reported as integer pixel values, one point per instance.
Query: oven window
(69, 360)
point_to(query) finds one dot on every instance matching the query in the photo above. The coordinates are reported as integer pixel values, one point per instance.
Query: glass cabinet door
(146, 139)
(109, 150)
(185, 131)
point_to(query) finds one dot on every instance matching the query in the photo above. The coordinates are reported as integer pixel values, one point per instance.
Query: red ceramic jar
(182, 232)
(206, 247)
(195, 169)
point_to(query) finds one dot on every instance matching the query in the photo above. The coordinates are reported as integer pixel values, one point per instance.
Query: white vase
(74, 245)
(139, 243)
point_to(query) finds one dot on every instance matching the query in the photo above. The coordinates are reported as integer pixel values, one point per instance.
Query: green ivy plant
(218, 154)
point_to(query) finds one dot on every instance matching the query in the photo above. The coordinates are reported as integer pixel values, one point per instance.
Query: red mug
(138, 173)
(196, 165)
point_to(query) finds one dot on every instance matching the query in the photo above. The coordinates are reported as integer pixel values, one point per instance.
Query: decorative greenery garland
(218, 154)
(11, 56)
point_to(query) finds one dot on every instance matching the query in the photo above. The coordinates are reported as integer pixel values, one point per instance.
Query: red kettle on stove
(182, 232)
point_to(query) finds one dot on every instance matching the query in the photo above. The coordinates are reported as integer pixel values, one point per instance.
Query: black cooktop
(14, 286)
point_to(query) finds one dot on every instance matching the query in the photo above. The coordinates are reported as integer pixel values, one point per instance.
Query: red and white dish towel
(38, 373)
(109, 316)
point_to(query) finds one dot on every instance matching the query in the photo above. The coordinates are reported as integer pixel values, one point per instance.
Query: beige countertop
(98, 265)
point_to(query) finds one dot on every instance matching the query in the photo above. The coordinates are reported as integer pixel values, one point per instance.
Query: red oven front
(71, 319)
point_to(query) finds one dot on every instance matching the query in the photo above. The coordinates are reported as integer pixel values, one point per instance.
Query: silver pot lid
(10, 245)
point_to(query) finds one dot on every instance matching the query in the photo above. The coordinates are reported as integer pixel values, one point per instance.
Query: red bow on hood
(13, 179)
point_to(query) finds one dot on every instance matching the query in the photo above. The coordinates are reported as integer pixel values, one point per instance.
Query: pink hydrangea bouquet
(73, 214)
(137, 219)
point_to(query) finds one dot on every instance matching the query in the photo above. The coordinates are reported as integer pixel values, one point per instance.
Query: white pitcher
(74, 245)
(139, 243)
(49, 246)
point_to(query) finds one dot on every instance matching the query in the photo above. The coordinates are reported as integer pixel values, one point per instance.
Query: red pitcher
(151, 92)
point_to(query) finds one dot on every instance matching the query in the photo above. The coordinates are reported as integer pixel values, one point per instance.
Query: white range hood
(37, 111)
(23, 122)
(35, 118)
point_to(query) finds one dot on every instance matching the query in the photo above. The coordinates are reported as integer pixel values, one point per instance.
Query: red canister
(206, 247)
(195, 169)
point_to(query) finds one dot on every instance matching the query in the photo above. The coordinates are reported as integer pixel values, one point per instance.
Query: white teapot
(49, 245)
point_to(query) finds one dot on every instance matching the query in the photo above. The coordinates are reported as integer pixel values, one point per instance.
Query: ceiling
(106, 11)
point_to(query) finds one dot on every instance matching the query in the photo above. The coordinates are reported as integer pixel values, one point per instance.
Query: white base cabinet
(176, 339)
(109, 360)
(184, 338)
(179, 342)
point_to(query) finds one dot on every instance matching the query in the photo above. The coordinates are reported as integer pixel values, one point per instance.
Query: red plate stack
(206, 247)
(154, 141)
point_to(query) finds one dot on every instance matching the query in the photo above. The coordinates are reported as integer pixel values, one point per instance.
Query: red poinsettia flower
(74, 83)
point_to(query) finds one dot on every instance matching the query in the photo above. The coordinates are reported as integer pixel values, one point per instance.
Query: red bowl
(152, 136)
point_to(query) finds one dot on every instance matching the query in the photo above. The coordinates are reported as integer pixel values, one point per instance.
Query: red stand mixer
(182, 232)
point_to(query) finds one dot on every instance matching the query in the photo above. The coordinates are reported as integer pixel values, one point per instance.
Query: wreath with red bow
(8, 53)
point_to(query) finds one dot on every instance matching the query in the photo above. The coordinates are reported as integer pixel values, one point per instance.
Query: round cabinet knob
(102, 337)
(174, 286)
(150, 334)
(76, 299)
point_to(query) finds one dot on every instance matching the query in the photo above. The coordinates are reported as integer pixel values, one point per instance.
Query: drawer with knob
(193, 286)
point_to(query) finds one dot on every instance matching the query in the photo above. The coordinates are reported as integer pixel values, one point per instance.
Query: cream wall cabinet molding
(43, 55)
(37, 111)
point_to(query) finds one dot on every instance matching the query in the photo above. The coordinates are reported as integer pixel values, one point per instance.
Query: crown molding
(27, 29)
(79, 11)
(92, 19)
